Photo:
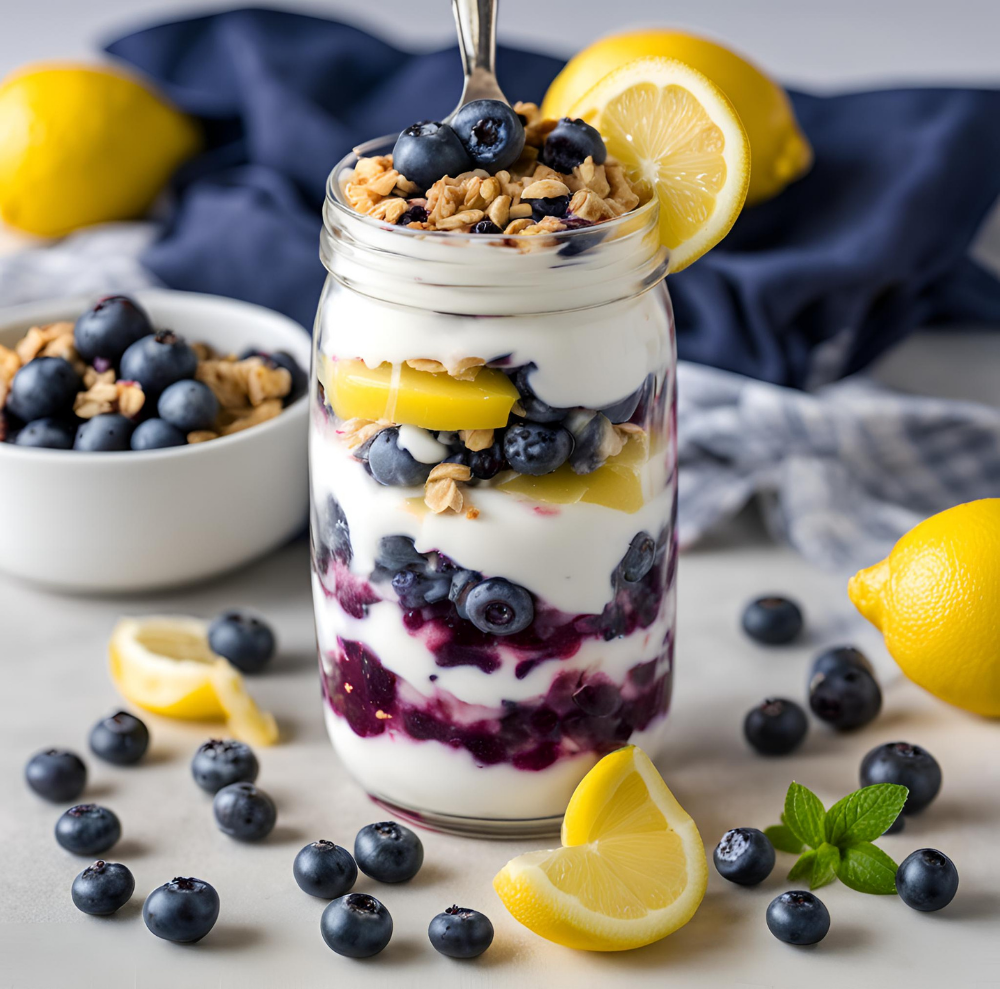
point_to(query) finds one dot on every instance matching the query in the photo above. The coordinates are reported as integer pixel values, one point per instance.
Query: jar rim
(379, 145)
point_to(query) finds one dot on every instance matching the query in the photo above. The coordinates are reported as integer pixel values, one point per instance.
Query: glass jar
(485, 635)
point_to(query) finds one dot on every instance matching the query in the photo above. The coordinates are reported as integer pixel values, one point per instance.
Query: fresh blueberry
(56, 774)
(535, 409)
(188, 405)
(550, 206)
(571, 143)
(536, 448)
(157, 361)
(460, 932)
(427, 151)
(103, 888)
(483, 464)
(120, 738)
(388, 852)
(927, 880)
(324, 869)
(841, 658)
(356, 925)
(49, 433)
(624, 410)
(87, 829)
(486, 227)
(461, 583)
(415, 589)
(772, 620)
(909, 765)
(43, 388)
(108, 329)
(183, 910)
(744, 856)
(392, 464)
(414, 214)
(594, 440)
(775, 727)
(498, 607)
(638, 561)
(491, 132)
(108, 432)
(398, 553)
(219, 763)
(300, 380)
(156, 434)
(244, 812)
(847, 698)
(245, 640)
(798, 917)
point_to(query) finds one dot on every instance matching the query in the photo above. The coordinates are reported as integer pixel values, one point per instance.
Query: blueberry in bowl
(156, 434)
(50, 433)
(159, 360)
(106, 433)
(188, 406)
(43, 388)
(109, 328)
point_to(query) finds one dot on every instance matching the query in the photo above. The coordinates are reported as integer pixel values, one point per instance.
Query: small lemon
(780, 153)
(936, 599)
(81, 144)
(631, 869)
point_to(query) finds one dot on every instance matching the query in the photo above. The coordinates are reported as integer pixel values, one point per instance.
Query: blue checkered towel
(841, 473)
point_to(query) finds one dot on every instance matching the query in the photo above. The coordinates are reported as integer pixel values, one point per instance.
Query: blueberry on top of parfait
(491, 132)
(427, 151)
(571, 143)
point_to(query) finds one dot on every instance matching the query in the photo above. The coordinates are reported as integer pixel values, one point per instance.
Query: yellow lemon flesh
(632, 868)
(679, 139)
(164, 664)
(616, 484)
(400, 394)
(81, 145)
(936, 599)
(779, 150)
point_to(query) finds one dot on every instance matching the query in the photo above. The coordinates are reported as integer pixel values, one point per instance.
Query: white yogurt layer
(427, 775)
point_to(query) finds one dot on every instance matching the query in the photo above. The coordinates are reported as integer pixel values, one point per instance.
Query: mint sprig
(837, 843)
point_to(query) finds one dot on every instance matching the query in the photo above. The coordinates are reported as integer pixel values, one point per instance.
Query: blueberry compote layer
(583, 709)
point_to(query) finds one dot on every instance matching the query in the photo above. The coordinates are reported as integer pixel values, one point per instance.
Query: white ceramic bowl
(135, 521)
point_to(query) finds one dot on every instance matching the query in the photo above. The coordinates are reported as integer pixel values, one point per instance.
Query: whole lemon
(82, 144)
(779, 152)
(936, 599)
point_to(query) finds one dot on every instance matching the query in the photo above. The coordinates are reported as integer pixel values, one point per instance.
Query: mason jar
(487, 633)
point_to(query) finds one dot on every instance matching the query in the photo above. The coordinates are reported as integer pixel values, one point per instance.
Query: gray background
(820, 43)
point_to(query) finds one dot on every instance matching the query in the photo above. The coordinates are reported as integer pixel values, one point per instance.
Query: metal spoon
(476, 21)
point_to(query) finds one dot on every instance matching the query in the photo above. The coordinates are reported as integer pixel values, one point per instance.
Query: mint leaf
(805, 815)
(803, 868)
(866, 868)
(783, 838)
(865, 814)
(825, 866)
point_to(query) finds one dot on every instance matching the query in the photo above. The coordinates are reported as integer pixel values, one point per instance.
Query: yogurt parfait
(493, 467)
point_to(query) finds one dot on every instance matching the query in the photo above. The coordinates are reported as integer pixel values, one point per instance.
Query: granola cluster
(502, 202)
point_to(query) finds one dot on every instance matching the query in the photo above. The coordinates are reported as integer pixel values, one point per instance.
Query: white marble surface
(268, 933)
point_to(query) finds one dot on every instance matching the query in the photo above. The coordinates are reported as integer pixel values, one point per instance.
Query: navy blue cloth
(869, 245)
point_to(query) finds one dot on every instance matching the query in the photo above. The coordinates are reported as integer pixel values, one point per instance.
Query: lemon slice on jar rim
(164, 664)
(680, 140)
(631, 869)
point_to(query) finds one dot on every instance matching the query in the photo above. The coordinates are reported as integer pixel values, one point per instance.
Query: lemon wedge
(632, 868)
(680, 139)
(164, 664)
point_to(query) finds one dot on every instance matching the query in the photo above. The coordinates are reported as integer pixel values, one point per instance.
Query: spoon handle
(476, 21)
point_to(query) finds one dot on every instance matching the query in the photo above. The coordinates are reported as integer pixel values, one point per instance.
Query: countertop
(56, 686)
